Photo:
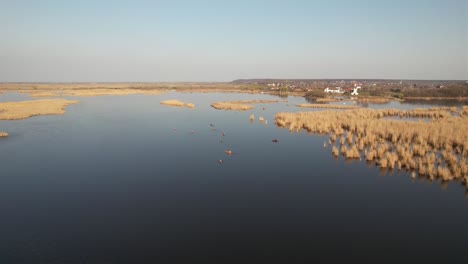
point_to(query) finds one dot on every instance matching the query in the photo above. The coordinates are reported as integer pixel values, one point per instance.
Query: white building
(355, 89)
(336, 90)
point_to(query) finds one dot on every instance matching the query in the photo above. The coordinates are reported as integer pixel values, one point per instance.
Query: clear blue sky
(207, 40)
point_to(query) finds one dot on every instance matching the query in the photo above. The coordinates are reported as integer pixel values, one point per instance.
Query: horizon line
(244, 79)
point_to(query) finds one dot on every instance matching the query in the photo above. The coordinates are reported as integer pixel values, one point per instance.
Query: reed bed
(231, 106)
(329, 106)
(40, 93)
(25, 109)
(434, 149)
(241, 105)
(464, 111)
(177, 103)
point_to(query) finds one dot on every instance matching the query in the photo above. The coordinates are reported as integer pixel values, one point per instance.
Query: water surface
(122, 179)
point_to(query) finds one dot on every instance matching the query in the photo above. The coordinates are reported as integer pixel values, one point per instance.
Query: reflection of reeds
(437, 148)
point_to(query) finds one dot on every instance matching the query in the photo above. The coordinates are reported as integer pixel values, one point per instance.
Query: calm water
(126, 180)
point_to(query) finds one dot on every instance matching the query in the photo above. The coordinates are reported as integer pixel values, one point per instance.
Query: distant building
(355, 89)
(336, 90)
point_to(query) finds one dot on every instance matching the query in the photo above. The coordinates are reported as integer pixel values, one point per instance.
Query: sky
(208, 40)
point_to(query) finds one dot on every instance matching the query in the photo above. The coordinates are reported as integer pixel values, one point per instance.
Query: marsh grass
(241, 105)
(177, 103)
(437, 148)
(25, 109)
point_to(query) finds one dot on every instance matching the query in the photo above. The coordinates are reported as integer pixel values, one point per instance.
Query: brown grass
(25, 109)
(177, 103)
(41, 93)
(231, 106)
(413, 145)
(142, 88)
(335, 151)
(329, 106)
(241, 105)
(464, 111)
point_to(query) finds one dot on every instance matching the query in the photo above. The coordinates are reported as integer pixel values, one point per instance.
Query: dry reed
(177, 103)
(413, 145)
(25, 109)
(241, 105)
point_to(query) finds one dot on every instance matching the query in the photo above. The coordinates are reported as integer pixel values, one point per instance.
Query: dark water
(111, 181)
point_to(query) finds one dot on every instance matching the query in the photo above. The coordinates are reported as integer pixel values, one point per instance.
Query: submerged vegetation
(25, 109)
(436, 148)
(177, 103)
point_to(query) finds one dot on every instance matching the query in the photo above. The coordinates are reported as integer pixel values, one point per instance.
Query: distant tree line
(458, 90)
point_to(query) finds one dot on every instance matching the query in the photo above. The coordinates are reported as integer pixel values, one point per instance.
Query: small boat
(274, 140)
(229, 152)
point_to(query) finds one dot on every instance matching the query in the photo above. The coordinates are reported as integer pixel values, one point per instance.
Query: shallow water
(120, 179)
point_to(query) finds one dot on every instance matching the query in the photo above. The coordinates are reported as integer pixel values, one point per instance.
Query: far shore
(53, 102)
(53, 90)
